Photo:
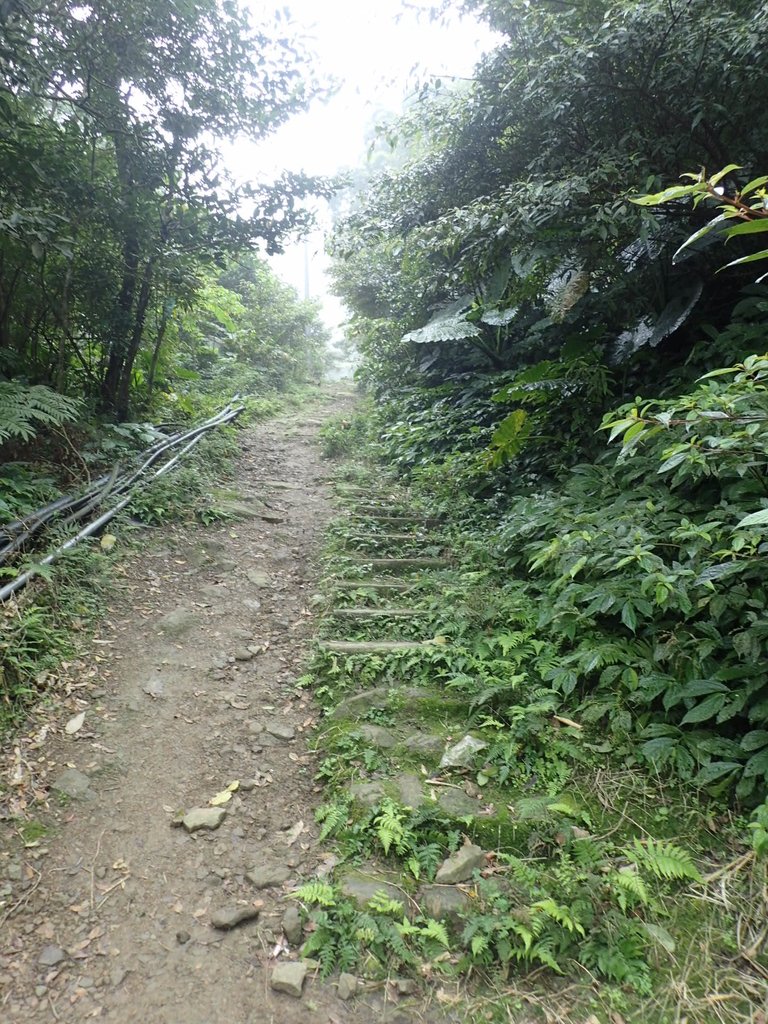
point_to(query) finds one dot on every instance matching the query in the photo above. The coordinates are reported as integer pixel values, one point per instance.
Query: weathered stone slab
(461, 865)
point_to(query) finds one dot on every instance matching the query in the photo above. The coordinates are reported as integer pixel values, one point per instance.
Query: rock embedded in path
(368, 793)
(243, 654)
(230, 917)
(360, 887)
(289, 978)
(442, 901)
(460, 866)
(378, 736)
(177, 622)
(347, 986)
(292, 926)
(258, 577)
(280, 730)
(457, 803)
(423, 744)
(73, 784)
(265, 876)
(50, 956)
(204, 818)
(462, 754)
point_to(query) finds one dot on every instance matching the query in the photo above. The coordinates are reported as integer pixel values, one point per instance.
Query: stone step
(375, 647)
(395, 538)
(378, 613)
(382, 585)
(406, 564)
(398, 520)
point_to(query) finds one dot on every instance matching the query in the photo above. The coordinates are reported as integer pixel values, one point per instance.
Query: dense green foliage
(507, 293)
(117, 217)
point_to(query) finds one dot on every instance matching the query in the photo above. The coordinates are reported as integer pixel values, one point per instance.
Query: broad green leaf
(751, 186)
(716, 178)
(706, 709)
(716, 222)
(675, 192)
(747, 227)
(755, 740)
(715, 770)
(762, 255)
(754, 519)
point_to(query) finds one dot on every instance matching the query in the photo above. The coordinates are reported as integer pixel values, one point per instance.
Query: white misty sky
(376, 51)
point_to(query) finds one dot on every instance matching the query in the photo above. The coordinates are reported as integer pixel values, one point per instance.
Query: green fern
(390, 829)
(24, 407)
(316, 893)
(559, 913)
(663, 859)
(333, 816)
(627, 883)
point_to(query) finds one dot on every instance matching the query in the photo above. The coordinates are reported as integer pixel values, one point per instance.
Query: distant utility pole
(306, 268)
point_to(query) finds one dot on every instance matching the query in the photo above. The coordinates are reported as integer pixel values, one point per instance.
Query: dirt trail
(193, 688)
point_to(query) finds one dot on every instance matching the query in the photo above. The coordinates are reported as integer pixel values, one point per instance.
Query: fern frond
(626, 882)
(332, 816)
(23, 408)
(437, 931)
(557, 912)
(316, 893)
(663, 859)
(390, 830)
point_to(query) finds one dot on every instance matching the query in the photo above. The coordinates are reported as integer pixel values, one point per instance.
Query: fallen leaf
(221, 798)
(74, 724)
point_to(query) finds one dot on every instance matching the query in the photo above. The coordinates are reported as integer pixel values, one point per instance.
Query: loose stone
(204, 818)
(264, 876)
(280, 730)
(460, 865)
(50, 956)
(347, 986)
(292, 927)
(289, 978)
(462, 754)
(230, 917)
(177, 622)
(73, 784)
(258, 578)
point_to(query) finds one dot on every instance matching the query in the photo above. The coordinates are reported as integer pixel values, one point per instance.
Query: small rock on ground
(264, 876)
(177, 622)
(280, 730)
(50, 956)
(346, 987)
(231, 917)
(203, 818)
(292, 927)
(460, 865)
(73, 784)
(289, 978)
(362, 887)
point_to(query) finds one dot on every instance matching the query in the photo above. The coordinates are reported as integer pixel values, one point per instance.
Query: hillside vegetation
(560, 313)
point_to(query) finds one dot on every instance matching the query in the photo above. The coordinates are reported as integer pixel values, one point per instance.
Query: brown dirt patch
(176, 709)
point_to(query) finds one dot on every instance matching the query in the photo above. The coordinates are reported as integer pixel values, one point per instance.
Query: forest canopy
(116, 212)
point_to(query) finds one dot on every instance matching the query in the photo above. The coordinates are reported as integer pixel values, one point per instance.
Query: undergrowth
(600, 636)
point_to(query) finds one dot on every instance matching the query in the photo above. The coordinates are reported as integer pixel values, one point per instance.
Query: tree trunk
(134, 342)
